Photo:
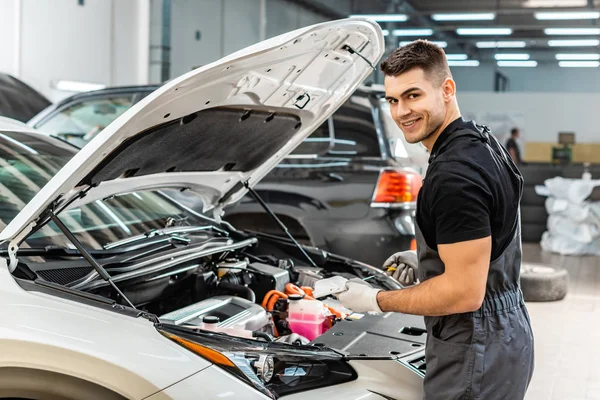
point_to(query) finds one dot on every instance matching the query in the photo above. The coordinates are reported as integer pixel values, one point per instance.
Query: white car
(110, 288)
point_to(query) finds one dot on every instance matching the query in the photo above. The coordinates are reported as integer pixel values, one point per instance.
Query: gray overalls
(486, 354)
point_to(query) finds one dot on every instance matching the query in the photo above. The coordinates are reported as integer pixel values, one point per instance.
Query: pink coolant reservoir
(306, 317)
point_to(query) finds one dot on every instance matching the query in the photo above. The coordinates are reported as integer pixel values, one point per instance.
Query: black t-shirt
(512, 144)
(472, 190)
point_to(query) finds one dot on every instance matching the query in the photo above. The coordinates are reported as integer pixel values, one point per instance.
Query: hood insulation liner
(217, 139)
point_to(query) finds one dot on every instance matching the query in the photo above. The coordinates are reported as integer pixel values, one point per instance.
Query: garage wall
(101, 41)
(8, 44)
(540, 116)
(226, 26)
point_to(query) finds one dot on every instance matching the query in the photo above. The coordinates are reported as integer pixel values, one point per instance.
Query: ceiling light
(464, 17)
(73, 86)
(506, 56)
(441, 44)
(588, 64)
(572, 56)
(572, 31)
(494, 45)
(456, 57)
(517, 63)
(385, 32)
(554, 3)
(383, 17)
(567, 15)
(412, 32)
(484, 31)
(574, 43)
(465, 63)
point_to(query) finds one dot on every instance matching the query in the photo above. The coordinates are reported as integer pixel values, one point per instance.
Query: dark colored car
(18, 100)
(350, 188)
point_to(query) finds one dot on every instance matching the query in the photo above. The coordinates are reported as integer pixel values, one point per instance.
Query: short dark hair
(514, 131)
(418, 54)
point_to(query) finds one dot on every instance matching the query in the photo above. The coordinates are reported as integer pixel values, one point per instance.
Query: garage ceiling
(516, 15)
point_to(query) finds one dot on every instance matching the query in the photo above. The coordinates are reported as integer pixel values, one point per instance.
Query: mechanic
(479, 337)
(513, 147)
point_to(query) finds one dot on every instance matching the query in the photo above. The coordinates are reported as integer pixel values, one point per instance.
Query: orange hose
(268, 295)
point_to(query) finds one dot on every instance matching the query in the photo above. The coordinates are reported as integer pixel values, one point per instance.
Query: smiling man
(479, 337)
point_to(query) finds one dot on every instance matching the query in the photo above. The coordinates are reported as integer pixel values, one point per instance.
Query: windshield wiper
(99, 268)
(59, 251)
(168, 232)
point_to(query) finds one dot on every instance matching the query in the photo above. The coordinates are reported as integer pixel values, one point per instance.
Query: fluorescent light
(456, 57)
(385, 32)
(588, 64)
(572, 56)
(441, 44)
(464, 17)
(384, 17)
(484, 31)
(517, 63)
(506, 56)
(412, 32)
(574, 43)
(572, 31)
(73, 86)
(555, 3)
(465, 63)
(567, 15)
(494, 45)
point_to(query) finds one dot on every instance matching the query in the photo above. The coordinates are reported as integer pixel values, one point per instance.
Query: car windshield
(80, 122)
(28, 161)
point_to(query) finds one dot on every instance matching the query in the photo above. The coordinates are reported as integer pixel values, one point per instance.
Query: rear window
(353, 134)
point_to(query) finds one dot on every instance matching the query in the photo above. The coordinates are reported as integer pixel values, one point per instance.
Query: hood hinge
(13, 246)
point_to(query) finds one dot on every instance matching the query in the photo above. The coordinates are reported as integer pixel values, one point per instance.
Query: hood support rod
(86, 254)
(278, 222)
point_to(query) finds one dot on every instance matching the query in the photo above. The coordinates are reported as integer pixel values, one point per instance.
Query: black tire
(537, 174)
(540, 282)
(531, 198)
(532, 233)
(534, 215)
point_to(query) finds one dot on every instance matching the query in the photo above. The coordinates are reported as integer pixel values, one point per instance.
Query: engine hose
(247, 293)
(268, 296)
(262, 335)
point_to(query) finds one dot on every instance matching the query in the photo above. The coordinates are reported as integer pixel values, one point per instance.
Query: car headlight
(275, 369)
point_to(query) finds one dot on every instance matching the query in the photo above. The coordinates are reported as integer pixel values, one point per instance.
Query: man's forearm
(434, 297)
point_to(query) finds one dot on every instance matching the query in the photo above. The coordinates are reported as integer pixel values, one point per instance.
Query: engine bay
(240, 284)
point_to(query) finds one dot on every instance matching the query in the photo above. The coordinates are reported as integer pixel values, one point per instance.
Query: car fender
(41, 331)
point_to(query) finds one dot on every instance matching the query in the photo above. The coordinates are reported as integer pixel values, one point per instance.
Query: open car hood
(217, 127)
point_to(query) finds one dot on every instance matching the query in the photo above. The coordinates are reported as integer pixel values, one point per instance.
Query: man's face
(416, 104)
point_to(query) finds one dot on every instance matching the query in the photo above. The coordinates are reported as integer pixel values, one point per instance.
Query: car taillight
(396, 188)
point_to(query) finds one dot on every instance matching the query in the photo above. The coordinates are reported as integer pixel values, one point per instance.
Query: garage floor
(566, 332)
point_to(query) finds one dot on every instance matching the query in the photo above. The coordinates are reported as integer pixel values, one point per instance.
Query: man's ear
(449, 89)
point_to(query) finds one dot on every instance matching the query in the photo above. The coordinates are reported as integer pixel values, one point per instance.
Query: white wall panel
(242, 24)
(62, 40)
(8, 36)
(130, 42)
(187, 17)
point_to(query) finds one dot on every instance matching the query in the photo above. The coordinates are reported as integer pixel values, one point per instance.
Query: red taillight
(397, 187)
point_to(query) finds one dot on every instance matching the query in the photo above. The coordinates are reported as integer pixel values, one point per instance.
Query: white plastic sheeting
(573, 222)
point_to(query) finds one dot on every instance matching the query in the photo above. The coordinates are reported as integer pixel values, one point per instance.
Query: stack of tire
(533, 209)
(542, 282)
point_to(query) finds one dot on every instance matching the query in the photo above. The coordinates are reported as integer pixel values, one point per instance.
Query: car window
(354, 134)
(80, 122)
(29, 161)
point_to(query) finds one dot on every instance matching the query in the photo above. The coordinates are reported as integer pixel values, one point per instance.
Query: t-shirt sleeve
(461, 203)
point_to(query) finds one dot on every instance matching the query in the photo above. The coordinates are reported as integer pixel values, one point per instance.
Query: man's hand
(359, 296)
(403, 266)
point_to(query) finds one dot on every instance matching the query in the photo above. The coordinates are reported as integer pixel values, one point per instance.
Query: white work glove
(359, 296)
(403, 267)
